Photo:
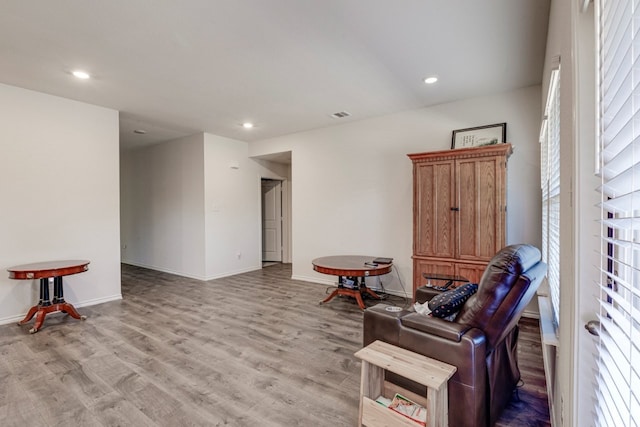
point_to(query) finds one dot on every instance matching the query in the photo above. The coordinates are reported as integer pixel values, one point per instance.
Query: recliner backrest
(507, 285)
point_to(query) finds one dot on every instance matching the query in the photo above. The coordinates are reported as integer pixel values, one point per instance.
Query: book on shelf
(409, 409)
(348, 283)
(384, 401)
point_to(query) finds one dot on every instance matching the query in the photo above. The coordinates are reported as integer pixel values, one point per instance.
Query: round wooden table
(355, 267)
(44, 271)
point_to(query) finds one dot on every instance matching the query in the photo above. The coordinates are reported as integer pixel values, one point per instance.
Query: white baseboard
(97, 301)
(11, 319)
(192, 276)
(315, 280)
(16, 318)
(164, 270)
(233, 273)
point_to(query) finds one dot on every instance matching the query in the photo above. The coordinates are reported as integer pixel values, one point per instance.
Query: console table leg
(358, 296)
(372, 293)
(44, 293)
(58, 293)
(43, 302)
(32, 312)
(330, 297)
(39, 321)
(71, 311)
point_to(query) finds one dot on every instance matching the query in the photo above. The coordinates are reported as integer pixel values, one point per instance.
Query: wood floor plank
(251, 349)
(115, 410)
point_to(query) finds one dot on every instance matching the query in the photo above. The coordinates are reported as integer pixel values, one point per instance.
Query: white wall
(352, 191)
(59, 187)
(191, 206)
(232, 203)
(163, 224)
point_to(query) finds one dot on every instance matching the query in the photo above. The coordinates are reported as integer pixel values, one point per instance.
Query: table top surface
(416, 367)
(349, 265)
(38, 270)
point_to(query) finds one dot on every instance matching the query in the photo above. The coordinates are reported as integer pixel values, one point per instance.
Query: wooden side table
(380, 356)
(44, 271)
(356, 267)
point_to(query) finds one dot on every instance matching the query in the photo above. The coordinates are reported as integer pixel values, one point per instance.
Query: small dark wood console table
(352, 267)
(44, 271)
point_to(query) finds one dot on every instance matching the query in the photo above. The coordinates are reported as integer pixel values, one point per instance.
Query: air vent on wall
(340, 115)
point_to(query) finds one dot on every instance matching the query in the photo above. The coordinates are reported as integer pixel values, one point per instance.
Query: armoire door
(434, 219)
(480, 219)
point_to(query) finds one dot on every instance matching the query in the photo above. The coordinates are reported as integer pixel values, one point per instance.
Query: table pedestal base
(45, 306)
(354, 293)
(41, 311)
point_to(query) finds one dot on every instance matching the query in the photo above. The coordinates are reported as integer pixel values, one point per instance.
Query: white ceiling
(175, 68)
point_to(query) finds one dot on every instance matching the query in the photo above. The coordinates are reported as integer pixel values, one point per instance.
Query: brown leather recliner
(481, 341)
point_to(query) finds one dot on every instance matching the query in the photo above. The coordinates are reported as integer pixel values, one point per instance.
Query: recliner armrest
(424, 294)
(435, 326)
(382, 324)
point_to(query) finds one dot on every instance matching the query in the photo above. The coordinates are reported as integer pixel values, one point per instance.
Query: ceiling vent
(340, 115)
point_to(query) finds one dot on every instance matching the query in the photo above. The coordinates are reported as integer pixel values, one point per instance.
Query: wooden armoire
(459, 210)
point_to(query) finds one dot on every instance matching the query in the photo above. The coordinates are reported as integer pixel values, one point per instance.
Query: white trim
(97, 301)
(313, 280)
(191, 276)
(233, 273)
(584, 5)
(550, 344)
(164, 270)
(548, 334)
(87, 303)
(11, 319)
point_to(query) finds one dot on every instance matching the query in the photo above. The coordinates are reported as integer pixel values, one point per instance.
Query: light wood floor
(250, 350)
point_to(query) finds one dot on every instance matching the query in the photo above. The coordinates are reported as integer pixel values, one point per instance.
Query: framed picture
(479, 136)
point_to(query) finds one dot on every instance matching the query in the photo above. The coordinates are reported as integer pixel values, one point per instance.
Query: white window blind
(550, 183)
(618, 382)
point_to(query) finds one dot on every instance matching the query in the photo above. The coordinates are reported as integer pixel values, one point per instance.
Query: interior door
(271, 220)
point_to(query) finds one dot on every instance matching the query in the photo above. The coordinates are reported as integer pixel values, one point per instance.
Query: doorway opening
(271, 221)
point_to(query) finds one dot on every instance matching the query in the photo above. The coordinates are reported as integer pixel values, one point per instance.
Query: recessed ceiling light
(81, 74)
(431, 80)
(247, 125)
(140, 131)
